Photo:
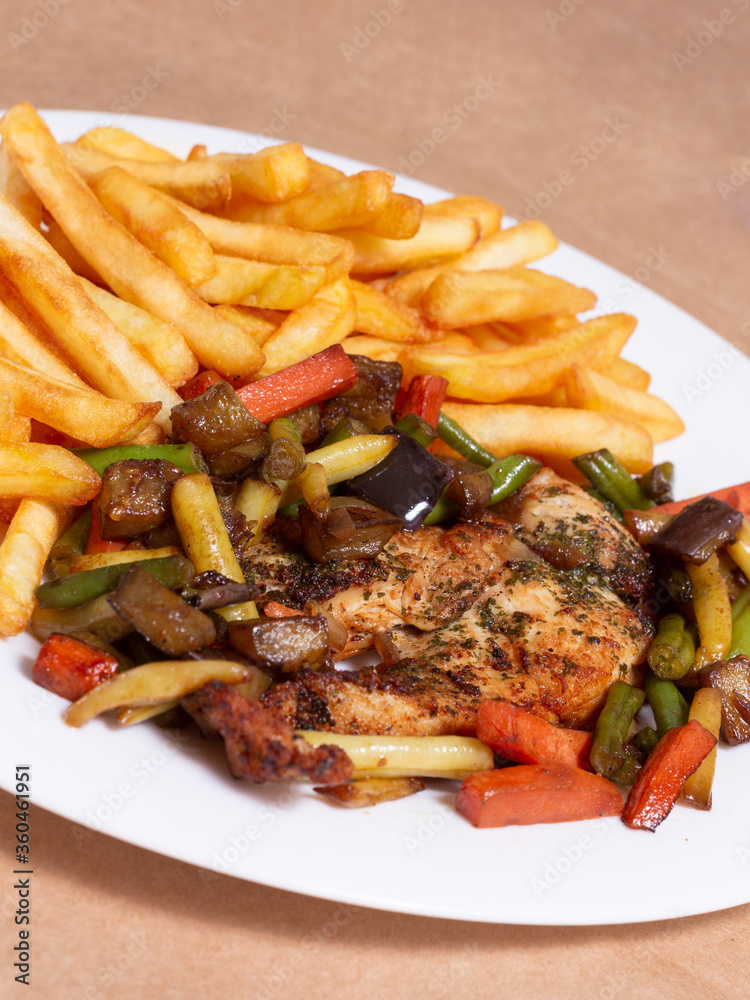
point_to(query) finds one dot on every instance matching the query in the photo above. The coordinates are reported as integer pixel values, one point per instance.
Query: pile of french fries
(124, 271)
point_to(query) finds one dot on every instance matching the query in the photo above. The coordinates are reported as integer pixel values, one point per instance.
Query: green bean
(607, 754)
(669, 707)
(71, 543)
(417, 428)
(645, 740)
(657, 482)
(508, 474)
(286, 456)
(612, 479)
(665, 652)
(462, 442)
(79, 588)
(184, 456)
(346, 427)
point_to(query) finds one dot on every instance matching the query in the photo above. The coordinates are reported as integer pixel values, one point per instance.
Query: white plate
(174, 796)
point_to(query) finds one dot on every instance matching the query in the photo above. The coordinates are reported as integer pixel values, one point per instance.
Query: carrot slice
(424, 397)
(275, 610)
(528, 739)
(319, 377)
(96, 543)
(736, 496)
(674, 758)
(71, 668)
(198, 385)
(536, 793)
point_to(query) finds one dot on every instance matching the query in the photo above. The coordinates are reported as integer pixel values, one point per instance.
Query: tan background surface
(559, 70)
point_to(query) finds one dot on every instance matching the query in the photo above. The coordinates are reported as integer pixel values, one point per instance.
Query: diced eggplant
(407, 483)
(239, 459)
(215, 421)
(471, 491)
(732, 679)
(699, 530)
(307, 422)
(238, 529)
(160, 615)
(346, 427)
(332, 413)
(213, 590)
(658, 482)
(374, 392)
(371, 529)
(283, 644)
(135, 497)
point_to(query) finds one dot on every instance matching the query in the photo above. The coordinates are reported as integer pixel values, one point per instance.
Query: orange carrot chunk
(424, 397)
(518, 735)
(275, 610)
(198, 385)
(736, 496)
(96, 543)
(536, 793)
(674, 758)
(71, 668)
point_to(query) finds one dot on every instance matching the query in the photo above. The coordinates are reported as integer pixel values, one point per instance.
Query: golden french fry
(98, 559)
(439, 239)
(713, 612)
(160, 343)
(556, 434)
(197, 152)
(626, 373)
(352, 201)
(399, 220)
(151, 684)
(14, 427)
(377, 348)
(18, 344)
(326, 319)
(153, 219)
(520, 244)
(84, 332)
(321, 174)
(256, 283)
(119, 142)
(458, 298)
(491, 336)
(529, 331)
(83, 414)
(14, 187)
(469, 206)
(46, 472)
(33, 531)
(274, 244)
(203, 183)
(75, 261)
(128, 268)
(275, 173)
(590, 390)
(527, 370)
(381, 316)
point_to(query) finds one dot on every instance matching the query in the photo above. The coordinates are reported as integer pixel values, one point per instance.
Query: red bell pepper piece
(424, 397)
(198, 385)
(313, 380)
(70, 668)
(95, 542)
(536, 793)
(518, 735)
(674, 758)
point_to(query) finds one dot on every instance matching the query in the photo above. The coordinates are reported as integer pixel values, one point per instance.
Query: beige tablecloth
(625, 125)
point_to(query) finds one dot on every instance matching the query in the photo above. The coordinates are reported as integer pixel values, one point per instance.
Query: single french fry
(203, 183)
(529, 331)
(273, 174)
(256, 283)
(46, 472)
(321, 174)
(439, 239)
(102, 354)
(83, 414)
(274, 244)
(556, 434)
(75, 260)
(457, 298)
(527, 370)
(14, 427)
(153, 219)
(491, 336)
(14, 187)
(629, 374)
(197, 152)
(468, 206)
(127, 267)
(353, 201)
(520, 244)
(120, 142)
(381, 316)
(160, 343)
(377, 348)
(399, 220)
(326, 319)
(18, 344)
(33, 531)
(591, 390)
(259, 323)
(15, 301)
